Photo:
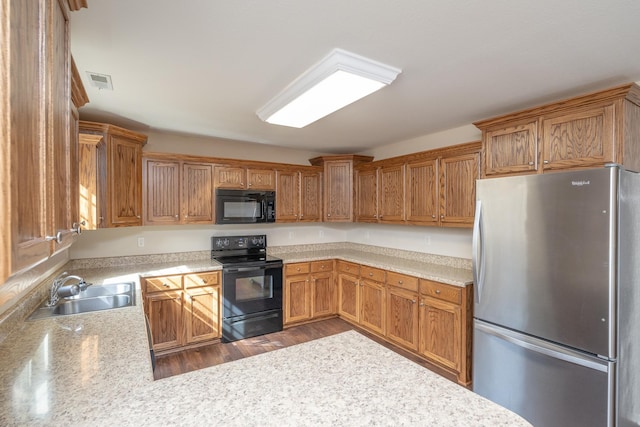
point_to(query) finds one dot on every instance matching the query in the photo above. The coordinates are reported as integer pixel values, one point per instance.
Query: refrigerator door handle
(542, 347)
(477, 249)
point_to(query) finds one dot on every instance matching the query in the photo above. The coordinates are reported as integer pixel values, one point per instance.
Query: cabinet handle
(57, 238)
(370, 274)
(413, 301)
(77, 227)
(421, 304)
(328, 214)
(165, 285)
(400, 282)
(441, 216)
(138, 216)
(438, 291)
(301, 215)
(530, 163)
(177, 216)
(242, 183)
(433, 216)
(298, 269)
(546, 162)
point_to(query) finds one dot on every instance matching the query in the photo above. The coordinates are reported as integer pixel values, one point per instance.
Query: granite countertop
(95, 369)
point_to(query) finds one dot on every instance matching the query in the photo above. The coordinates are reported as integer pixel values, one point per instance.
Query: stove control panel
(239, 242)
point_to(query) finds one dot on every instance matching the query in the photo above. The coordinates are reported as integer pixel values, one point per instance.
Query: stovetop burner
(241, 251)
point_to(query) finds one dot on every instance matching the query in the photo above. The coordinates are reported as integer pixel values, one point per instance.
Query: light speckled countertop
(94, 369)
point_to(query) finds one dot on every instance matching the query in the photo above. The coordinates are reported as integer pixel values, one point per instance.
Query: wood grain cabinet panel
(164, 311)
(323, 294)
(391, 194)
(297, 299)
(177, 192)
(458, 189)
(349, 297)
(367, 195)
(298, 196)
(512, 148)
(402, 317)
(423, 192)
(440, 326)
(242, 178)
(582, 138)
(119, 184)
(582, 132)
(309, 291)
(183, 310)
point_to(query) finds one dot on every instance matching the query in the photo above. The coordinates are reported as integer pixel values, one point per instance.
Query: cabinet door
(310, 196)
(581, 138)
(164, 311)
(202, 314)
(261, 179)
(125, 170)
(162, 192)
(440, 332)
(338, 201)
(402, 317)
(64, 149)
(423, 191)
(458, 189)
(297, 299)
(372, 306)
(197, 193)
(367, 195)
(230, 177)
(510, 149)
(287, 196)
(349, 297)
(391, 194)
(24, 216)
(323, 296)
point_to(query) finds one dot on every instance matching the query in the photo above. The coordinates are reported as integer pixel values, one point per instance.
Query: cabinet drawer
(321, 266)
(297, 268)
(372, 273)
(156, 284)
(348, 267)
(403, 281)
(441, 291)
(201, 279)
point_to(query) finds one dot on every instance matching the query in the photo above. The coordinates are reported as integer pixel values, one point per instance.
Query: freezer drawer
(546, 384)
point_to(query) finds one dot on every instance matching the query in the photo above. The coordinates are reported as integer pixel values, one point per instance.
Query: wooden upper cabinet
(338, 185)
(177, 192)
(458, 176)
(310, 196)
(367, 195)
(197, 193)
(39, 198)
(287, 196)
(512, 148)
(587, 131)
(391, 206)
(422, 194)
(580, 138)
(242, 178)
(298, 196)
(162, 192)
(119, 186)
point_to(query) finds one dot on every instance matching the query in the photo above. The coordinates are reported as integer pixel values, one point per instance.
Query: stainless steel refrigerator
(556, 260)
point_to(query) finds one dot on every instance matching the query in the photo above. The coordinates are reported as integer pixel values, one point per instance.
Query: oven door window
(254, 288)
(251, 290)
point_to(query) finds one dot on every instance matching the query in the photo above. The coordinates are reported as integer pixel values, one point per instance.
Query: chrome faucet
(59, 281)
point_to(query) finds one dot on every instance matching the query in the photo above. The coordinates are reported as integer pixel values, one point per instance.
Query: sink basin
(94, 298)
(84, 305)
(103, 290)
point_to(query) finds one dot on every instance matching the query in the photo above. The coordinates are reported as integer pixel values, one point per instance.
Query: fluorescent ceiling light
(337, 81)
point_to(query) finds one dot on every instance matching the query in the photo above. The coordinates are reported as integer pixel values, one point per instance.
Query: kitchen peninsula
(95, 369)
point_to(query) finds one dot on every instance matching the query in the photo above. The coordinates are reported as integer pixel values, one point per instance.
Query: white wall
(459, 135)
(165, 142)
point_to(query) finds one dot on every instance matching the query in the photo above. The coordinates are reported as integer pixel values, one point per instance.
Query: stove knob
(225, 242)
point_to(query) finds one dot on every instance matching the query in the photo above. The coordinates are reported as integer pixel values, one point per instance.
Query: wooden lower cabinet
(182, 309)
(372, 299)
(445, 326)
(402, 317)
(309, 291)
(349, 291)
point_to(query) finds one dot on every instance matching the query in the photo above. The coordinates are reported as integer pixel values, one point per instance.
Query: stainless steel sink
(94, 298)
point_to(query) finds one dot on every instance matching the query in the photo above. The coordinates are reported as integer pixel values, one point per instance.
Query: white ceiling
(205, 66)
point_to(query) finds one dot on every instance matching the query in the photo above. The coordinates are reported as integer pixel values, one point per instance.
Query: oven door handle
(237, 269)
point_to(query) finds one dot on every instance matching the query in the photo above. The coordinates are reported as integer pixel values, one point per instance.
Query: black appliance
(245, 206)
(251, 286)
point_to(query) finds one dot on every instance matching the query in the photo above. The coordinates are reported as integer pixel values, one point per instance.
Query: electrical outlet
(141, 242)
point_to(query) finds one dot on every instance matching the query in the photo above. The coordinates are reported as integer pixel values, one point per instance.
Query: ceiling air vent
(101, 81)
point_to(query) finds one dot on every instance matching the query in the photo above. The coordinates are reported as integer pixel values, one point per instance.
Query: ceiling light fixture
(338, 80)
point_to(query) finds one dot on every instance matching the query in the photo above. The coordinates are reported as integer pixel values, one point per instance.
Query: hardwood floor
(218, 353)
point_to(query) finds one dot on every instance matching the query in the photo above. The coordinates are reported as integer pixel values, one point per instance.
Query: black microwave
(245, 206)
